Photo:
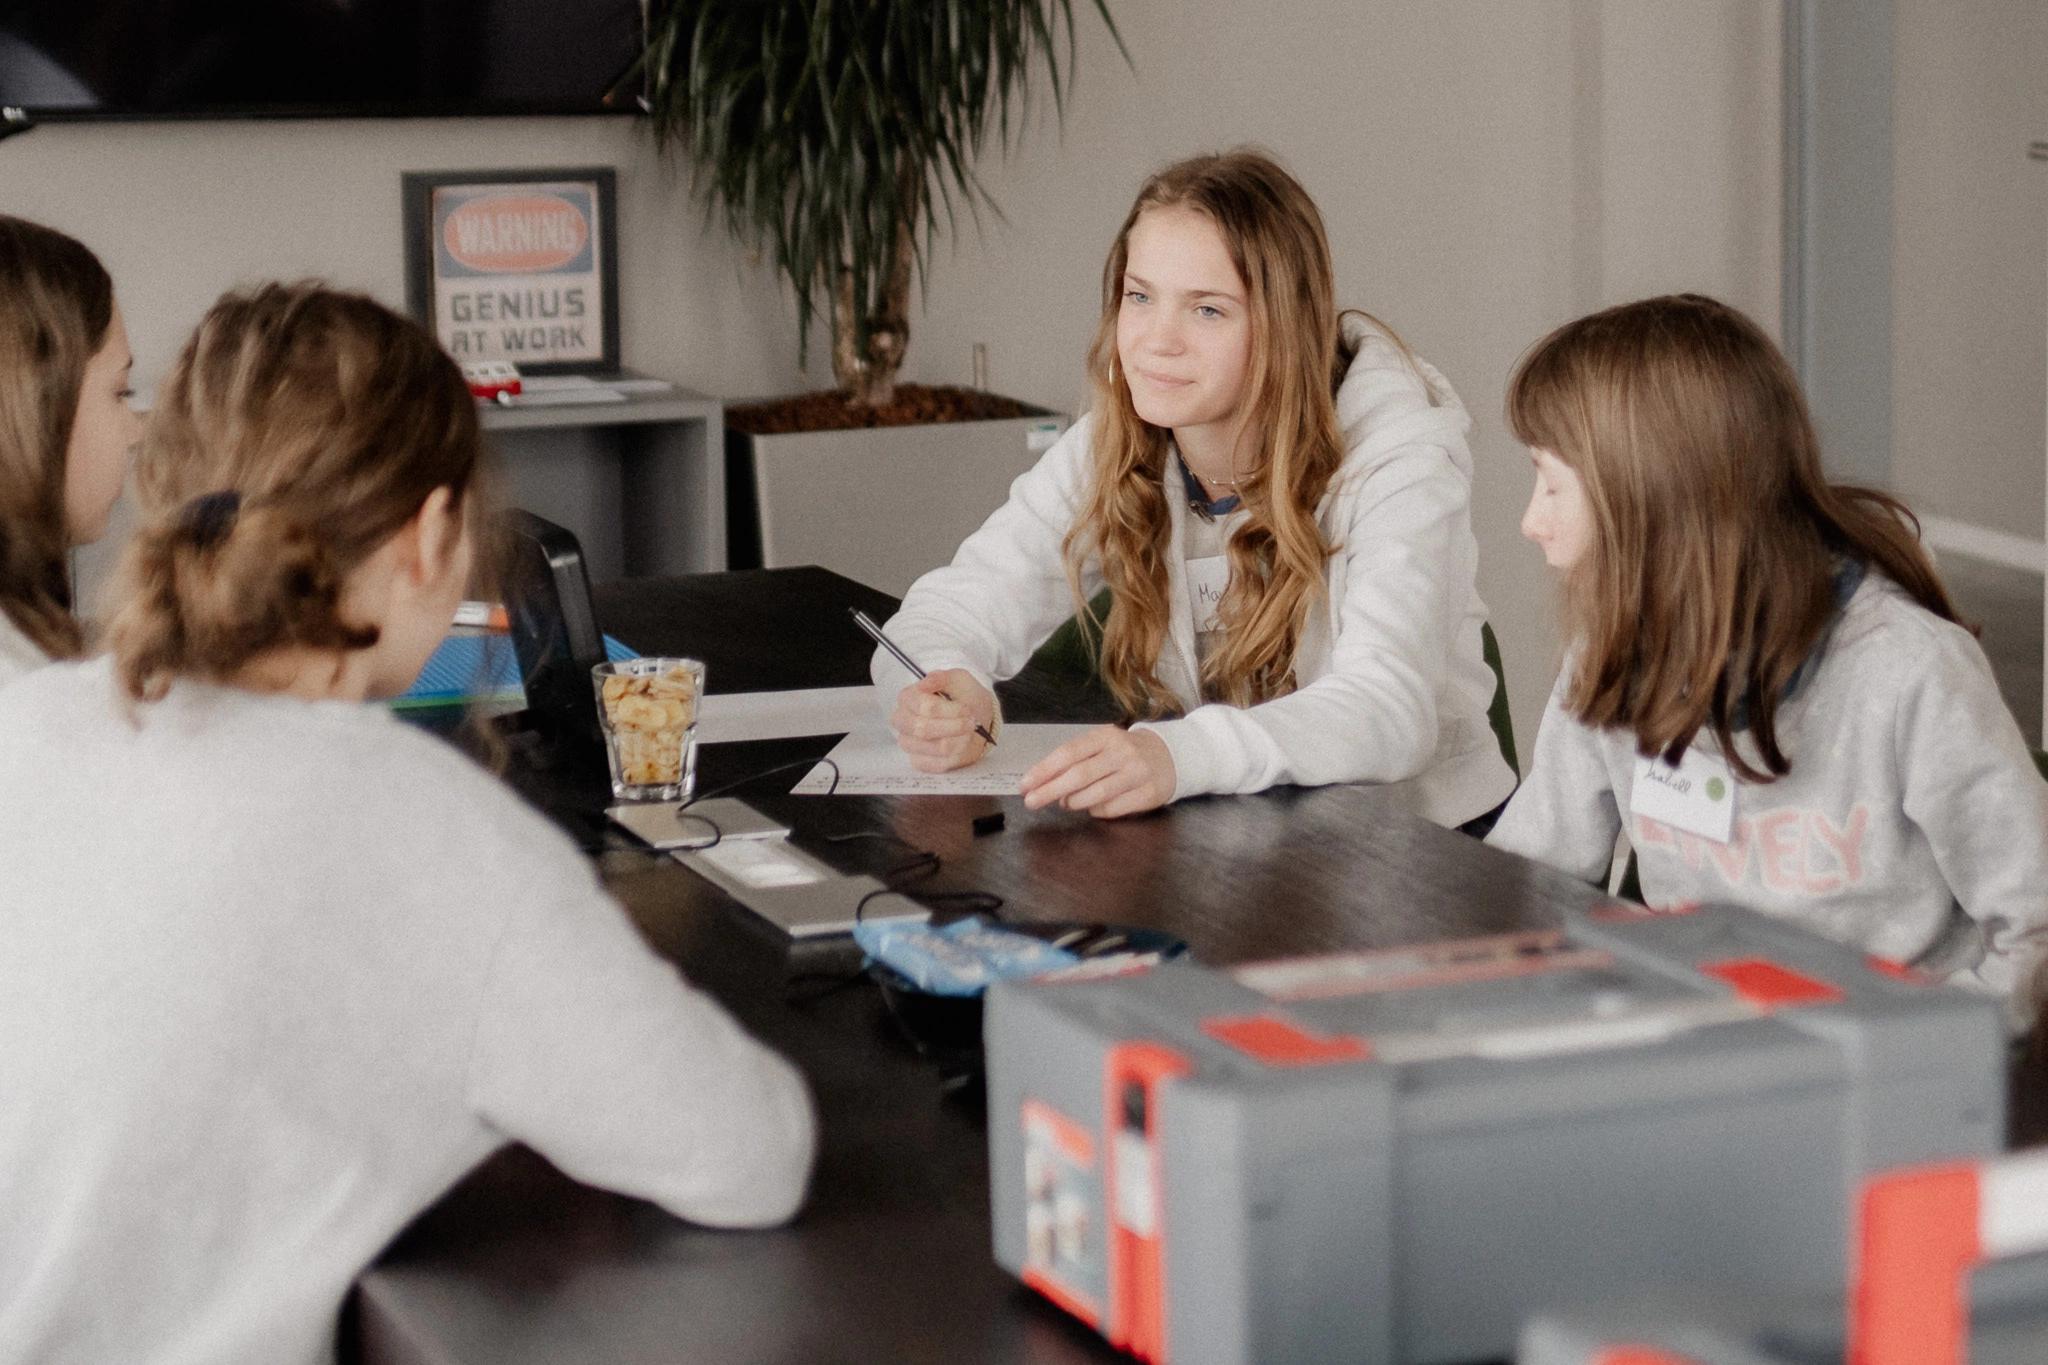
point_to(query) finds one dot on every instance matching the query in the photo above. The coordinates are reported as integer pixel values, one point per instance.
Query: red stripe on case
(1280, 1042)
(1766, 983)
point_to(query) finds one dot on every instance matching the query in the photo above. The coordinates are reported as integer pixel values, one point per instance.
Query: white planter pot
(880, 505)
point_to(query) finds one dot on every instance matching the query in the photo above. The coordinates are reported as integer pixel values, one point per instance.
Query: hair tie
(208, 518)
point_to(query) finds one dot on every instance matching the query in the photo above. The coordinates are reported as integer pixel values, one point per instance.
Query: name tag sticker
(1697, 796)
(1208, 580)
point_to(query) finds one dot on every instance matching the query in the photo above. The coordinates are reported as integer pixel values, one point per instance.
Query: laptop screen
(553, 624)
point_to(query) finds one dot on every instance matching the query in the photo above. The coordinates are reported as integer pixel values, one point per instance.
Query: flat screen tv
(144, 59)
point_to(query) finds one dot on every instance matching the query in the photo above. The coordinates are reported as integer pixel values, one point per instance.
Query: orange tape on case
(1137, 1255)
(1917, 1239)
(1276, 1041)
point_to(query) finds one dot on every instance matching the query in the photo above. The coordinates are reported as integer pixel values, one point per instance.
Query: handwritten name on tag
(1208, 580)
(1697, 796)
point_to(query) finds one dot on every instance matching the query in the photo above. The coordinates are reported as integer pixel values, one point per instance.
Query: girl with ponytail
(66, 431)
(307, 443)
(279, 968)
(1767, 688)
(1276, 498)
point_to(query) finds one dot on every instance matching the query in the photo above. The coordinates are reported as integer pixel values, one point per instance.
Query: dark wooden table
(890, 1259)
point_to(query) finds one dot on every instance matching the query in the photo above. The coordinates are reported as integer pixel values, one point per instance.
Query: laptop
(553, 625)
(558, 749)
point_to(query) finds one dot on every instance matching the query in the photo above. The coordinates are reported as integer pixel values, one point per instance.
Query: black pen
(861, 619)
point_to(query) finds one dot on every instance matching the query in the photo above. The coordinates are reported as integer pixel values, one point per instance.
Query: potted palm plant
(838, 140)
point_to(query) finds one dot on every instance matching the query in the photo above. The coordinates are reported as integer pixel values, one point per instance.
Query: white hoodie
(275, 974)
(1392, 687)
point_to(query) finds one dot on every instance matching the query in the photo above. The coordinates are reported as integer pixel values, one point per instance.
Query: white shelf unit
(641, 483)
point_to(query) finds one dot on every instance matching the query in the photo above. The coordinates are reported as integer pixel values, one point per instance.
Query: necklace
(1213, 483)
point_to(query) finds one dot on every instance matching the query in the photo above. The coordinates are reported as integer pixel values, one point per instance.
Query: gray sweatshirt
(1913, 823)
(273, 975)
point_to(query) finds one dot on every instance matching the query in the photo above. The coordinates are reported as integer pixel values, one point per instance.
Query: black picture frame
(494, 267)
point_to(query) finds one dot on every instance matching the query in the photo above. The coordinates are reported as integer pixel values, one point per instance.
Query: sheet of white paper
(870, 764)
(782, 715)
(545, 383)
(640, 385)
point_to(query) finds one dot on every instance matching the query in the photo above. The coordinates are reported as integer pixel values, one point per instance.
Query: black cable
(882, 834)
(683, 811)
(923, 865)
(973, 902)
(752, 778)
(717, 834)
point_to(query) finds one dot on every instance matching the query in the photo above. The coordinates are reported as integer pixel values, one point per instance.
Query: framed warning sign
(516, 265)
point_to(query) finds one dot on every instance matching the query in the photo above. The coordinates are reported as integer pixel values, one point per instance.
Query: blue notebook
(467, 669)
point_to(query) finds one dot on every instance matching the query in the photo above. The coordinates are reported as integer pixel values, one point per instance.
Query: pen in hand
(861, 619)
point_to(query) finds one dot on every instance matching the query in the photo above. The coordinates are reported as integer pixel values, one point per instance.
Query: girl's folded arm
(1373, 717)
(597, 1054)
(1565, 813)
(1971, 787)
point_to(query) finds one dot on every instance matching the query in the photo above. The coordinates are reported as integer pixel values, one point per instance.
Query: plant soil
(914, 405)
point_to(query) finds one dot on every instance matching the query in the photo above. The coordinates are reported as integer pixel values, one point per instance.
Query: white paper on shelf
(870, 764)
(729, 716)
(552, 398)
(554, 383)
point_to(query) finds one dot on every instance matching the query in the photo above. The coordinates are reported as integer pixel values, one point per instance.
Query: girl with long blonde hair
(1767, 686)
(66, 432)
(1275, 498)
(279, 968)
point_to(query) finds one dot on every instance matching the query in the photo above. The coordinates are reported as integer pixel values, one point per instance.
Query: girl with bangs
(1767, 686)
(1275, 496)
(66, 432)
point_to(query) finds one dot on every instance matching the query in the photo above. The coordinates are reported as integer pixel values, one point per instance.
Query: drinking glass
(648, 711)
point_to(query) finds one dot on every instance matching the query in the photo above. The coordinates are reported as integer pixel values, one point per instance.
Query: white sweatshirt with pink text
(1913, 822)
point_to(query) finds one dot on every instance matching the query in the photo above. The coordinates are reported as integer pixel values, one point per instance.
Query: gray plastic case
(1398, 1156)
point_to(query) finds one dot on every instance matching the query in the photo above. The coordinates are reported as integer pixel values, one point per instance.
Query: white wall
(182, 211)
(1488, 171)
(1970, 304)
